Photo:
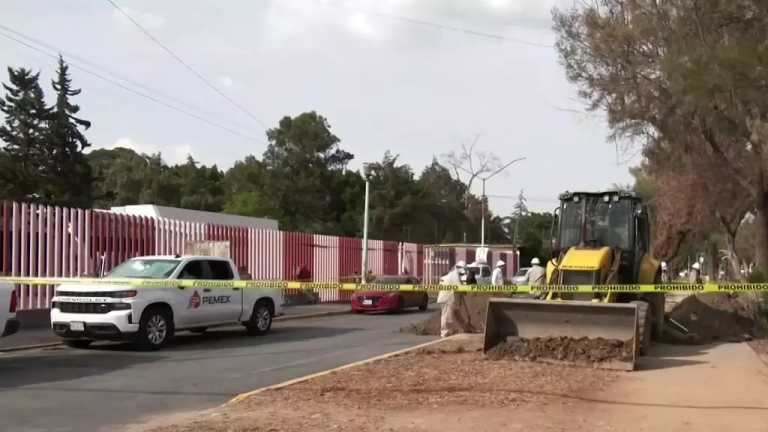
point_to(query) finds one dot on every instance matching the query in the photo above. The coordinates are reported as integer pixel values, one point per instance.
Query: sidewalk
(35, 328)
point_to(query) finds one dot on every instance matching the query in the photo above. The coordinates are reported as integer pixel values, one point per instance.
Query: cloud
(148, 20)
(174, 154)
(358, 22)
(225, 81)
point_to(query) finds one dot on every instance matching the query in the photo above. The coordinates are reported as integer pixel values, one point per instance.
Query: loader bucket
(574, 319)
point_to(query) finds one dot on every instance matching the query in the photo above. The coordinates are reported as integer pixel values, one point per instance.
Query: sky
(416, 77)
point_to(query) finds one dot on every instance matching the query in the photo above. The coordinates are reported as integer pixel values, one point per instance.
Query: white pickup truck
(149, 316)
(8, 303)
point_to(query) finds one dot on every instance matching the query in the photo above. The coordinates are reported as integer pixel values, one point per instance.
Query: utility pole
(483, 198)
(364, 271)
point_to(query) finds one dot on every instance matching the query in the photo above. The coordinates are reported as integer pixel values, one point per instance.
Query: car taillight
(14, 302)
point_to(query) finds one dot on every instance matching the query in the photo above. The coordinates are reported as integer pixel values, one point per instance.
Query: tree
(519, 210)
(304, 168)
(23, 158)
(468, 165)
(395, 201)
(443, 198)
(533, 237)
(124, 177)
(245, 175)
(684, 79)
(67, 177)
(251, 204)
(200, 187)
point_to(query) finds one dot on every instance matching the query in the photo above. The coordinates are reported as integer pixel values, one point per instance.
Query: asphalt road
(63, 389)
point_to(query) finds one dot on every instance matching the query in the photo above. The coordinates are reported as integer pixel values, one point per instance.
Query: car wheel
(78, 343)
(400, 305)
(155, 329)
(198, 329)
(261, 319)
(423, 306)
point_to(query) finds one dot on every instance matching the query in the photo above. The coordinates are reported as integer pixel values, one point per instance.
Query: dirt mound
(720, 316)
(474, 314)
(581, 350)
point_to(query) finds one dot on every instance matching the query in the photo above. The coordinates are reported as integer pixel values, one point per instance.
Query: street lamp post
(364, 271)
(483, 197)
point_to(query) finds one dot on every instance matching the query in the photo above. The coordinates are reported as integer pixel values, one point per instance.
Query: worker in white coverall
(536, 275)
(497, 277)
(447, 299)
(694, 276)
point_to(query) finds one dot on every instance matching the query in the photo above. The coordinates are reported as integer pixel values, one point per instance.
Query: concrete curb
(276, 319)
(29, 347)
(242, 396)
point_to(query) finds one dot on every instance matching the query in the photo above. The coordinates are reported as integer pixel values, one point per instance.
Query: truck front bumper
(11, 326)
(114, 326)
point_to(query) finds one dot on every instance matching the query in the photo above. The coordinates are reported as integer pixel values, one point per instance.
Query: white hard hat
(695, 265)
(535, 261)
(461, 263)
(663, 265)
(500, 263)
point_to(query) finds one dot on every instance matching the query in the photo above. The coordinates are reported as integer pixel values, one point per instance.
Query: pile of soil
(720, 317)
(473, 314)
(573, 350)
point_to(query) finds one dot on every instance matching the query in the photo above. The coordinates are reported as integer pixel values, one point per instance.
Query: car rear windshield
(144, 269)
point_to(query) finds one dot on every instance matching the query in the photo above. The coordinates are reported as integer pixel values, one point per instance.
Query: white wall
(196, 216)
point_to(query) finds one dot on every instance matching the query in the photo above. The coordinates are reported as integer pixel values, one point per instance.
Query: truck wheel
(644, 326)
(78, 343)
(155, 329)
(261, 319)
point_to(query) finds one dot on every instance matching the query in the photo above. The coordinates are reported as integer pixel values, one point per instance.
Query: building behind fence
(46, 241)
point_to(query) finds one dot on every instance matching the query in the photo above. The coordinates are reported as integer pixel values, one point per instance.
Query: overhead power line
(440, 26)
(98, 68)
(127, 88)
(192, 70)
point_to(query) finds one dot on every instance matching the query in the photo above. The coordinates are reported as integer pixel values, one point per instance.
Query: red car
(396, 301)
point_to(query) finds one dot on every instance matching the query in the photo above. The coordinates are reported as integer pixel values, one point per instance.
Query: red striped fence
(47, 241)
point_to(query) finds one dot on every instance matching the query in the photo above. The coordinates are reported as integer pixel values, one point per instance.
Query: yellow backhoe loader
(598, 238)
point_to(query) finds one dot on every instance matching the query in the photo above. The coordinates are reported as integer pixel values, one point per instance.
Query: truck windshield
(144, 269)
(605, 223)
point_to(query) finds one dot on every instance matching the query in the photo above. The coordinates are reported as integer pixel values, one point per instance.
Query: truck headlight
(124, 294)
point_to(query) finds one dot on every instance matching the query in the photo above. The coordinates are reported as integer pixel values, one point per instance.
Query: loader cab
(592, 220)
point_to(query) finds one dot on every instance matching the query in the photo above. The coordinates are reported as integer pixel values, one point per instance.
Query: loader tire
(644, 326)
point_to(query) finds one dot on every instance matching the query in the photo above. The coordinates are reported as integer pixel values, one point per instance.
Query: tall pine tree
(68, 177)
(22, 157)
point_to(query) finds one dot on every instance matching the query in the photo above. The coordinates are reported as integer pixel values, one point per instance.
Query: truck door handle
(206, 290)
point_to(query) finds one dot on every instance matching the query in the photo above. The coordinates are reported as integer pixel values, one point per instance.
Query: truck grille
(86, 293)
(93, 308)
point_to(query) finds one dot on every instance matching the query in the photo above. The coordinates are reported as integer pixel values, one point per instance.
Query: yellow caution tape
(273, 284)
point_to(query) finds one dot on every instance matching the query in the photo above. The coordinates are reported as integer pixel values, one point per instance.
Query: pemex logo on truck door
(194, 301)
